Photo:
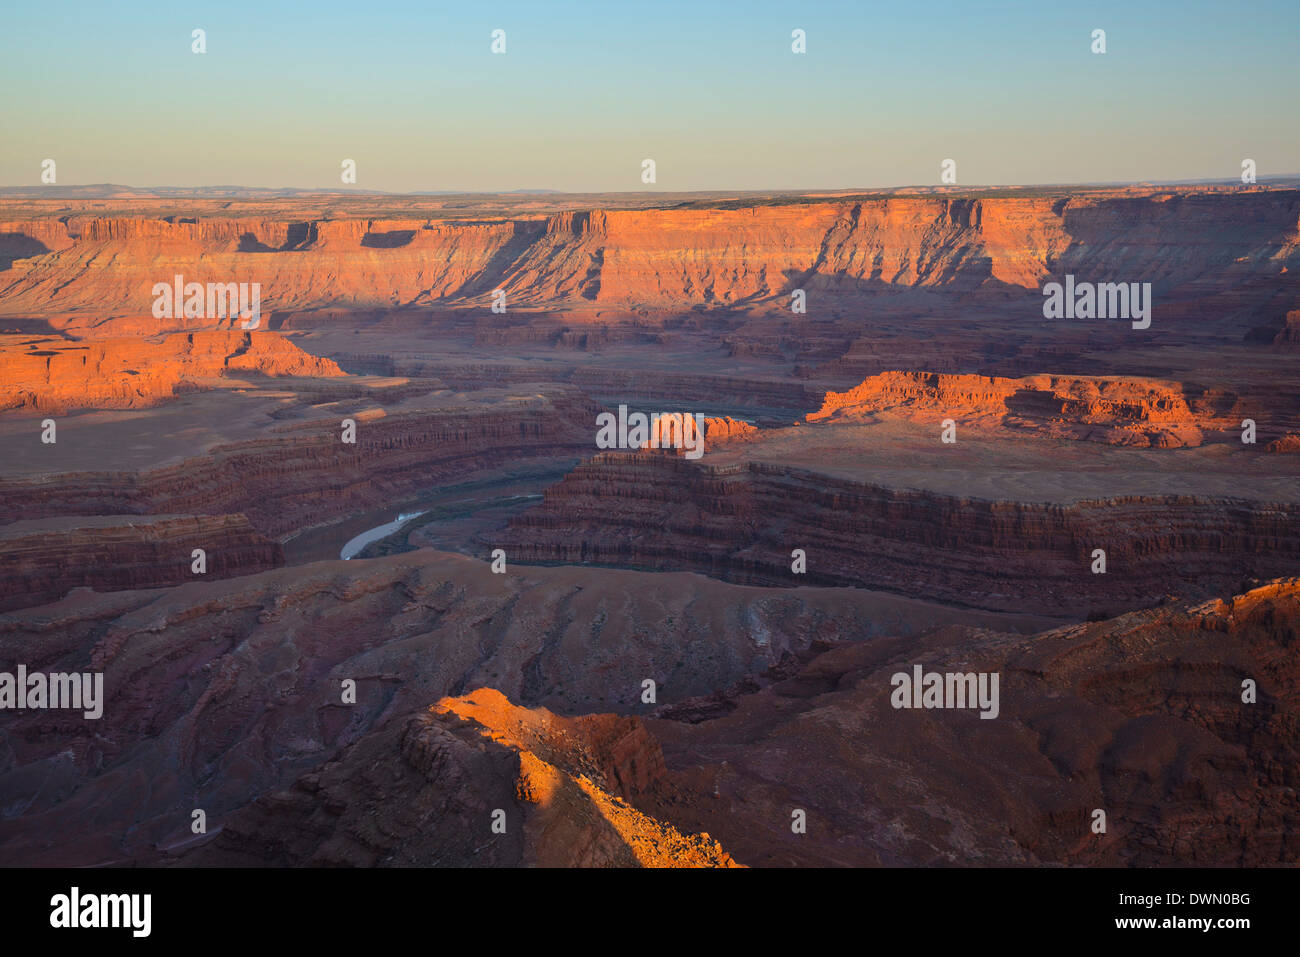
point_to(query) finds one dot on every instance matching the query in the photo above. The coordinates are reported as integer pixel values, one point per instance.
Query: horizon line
(1292, 179)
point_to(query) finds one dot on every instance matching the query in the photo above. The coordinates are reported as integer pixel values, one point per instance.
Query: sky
(586, 91)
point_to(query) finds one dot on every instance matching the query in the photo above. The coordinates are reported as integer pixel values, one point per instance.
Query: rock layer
(42, 561)
(1116, 411)
(742, 522)
(662, 257)
(307, 473)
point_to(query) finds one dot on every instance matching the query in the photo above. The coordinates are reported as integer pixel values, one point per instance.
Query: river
(354, 546)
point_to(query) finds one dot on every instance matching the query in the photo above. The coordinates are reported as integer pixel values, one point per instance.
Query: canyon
(1141, 715)
(219, 691)
(742, 522)
(916, 469)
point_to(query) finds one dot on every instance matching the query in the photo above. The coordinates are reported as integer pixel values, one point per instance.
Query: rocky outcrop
(615, 751)
(1116, 411)
(40, 561)
(425, 792)
(1287, 338)
(742, 522)
(725, 429)
(55, 375)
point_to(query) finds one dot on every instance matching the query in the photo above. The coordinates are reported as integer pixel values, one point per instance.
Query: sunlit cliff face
(658, 258)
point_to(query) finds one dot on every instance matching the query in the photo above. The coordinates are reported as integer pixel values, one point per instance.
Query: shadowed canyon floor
(918, 469)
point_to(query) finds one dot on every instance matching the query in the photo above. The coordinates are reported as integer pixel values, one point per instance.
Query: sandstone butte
(665, 434)
(81, 270)
(48, 374)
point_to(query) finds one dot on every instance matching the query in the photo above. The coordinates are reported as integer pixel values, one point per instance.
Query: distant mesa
(50, 374)
(712, 252)
(1112, 410)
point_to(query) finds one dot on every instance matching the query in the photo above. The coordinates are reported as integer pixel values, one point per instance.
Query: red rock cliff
(661, 258)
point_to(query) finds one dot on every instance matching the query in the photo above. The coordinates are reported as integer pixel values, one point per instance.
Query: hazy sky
(585, 91)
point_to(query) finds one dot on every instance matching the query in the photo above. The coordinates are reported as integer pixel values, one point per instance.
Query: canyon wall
(660, 258)
(41, 561)
(307, 475)
(741, 522)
